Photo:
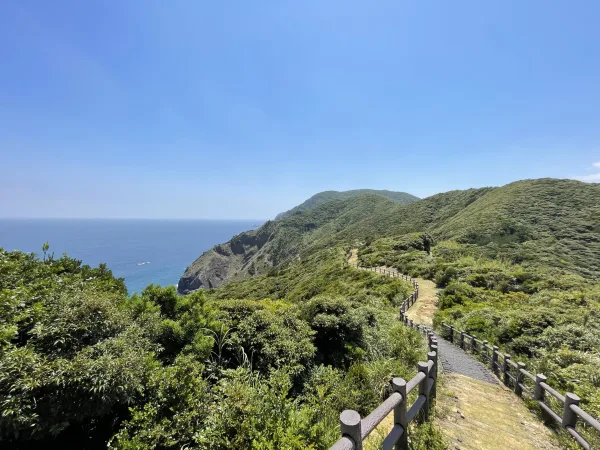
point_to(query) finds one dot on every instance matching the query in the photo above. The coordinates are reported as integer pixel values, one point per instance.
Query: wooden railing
(356, 429)
(514, 375)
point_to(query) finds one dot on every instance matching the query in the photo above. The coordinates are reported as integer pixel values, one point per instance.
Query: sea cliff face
(232, 260)
(280, 242)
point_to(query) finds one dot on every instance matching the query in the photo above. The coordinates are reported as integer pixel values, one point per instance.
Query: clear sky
(242, 109)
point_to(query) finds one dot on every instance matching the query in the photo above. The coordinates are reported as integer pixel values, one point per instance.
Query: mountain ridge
(326, 196)
(519, 219)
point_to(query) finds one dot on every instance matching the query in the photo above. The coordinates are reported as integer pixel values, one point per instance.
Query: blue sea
(141, 251)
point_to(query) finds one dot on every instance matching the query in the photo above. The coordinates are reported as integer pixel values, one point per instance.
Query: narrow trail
(474, 410)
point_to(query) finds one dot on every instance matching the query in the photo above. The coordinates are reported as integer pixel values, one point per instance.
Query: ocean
(141, 251)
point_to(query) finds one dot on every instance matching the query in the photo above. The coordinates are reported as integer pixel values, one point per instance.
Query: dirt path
(476, 415)
(353, 258)
(426, 306)
(474, 410)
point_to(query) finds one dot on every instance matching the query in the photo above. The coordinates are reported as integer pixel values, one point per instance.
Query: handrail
(527, 374)
(594, 423)
(369, 423)
(571, 410)
(354, 429)
(553, 392)
(414, 381)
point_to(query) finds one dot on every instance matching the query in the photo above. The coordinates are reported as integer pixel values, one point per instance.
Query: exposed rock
(229, 261)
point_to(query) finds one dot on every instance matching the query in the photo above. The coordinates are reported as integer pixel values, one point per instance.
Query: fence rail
(356, 429)
(514, 375)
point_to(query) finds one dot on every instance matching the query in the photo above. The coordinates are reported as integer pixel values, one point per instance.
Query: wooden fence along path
(355, 429)
(514, 376)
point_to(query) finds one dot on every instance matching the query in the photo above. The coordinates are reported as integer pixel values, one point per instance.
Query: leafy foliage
(84, 366)
(294, 336)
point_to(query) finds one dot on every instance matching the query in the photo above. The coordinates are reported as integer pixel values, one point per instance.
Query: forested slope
(272, 356)
(548, 222)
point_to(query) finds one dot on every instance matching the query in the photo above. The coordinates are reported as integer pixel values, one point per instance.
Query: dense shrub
(82, 364)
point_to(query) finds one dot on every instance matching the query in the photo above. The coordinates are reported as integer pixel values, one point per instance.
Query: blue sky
(194, 109)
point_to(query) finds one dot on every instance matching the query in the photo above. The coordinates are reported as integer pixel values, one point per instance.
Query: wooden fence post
(495, 359)
(433, 356)
(473, 344)
(569, 418)
(538, 393)
(484, 348)
(451, 334)
(538, 390)
(519, 379)
(423, 367)
(461, 342)
(350, 426)
(399, 386)
(506, 369)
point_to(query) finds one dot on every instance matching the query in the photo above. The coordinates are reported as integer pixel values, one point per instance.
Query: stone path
(454, 360)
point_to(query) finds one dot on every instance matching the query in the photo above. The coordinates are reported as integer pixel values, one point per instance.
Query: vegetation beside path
(474, 414)
(266, 363)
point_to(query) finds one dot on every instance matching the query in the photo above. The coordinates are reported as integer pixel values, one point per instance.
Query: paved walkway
(454, 360)
(474, 410)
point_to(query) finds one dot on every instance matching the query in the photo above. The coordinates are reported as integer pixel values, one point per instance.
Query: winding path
(475, 411)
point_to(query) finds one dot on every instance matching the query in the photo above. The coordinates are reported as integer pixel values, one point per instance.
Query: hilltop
(327, 196)
(548, 222)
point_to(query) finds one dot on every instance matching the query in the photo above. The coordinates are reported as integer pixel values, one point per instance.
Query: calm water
(168, 245)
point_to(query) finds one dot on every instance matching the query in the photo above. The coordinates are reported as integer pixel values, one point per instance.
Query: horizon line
(135, 218)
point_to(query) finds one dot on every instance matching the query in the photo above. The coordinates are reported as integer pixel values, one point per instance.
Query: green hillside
(327, 196)
(519, 266)
(273, 347)
(545, 222)
(83, 366)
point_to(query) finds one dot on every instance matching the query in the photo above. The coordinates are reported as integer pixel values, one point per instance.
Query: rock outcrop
(232, 260)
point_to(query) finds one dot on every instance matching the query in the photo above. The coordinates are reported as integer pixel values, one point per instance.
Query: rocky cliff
(232, 260)
(280, 242)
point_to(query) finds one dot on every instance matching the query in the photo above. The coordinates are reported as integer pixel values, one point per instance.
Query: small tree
(45, 248)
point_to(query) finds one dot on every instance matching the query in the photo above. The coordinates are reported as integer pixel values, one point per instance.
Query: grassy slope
(327, 196)
(520, 261)
(520, 268)
(547, 223)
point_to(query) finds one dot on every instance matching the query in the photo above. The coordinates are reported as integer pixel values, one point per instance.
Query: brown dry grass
(425, 307)
(476, 415)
